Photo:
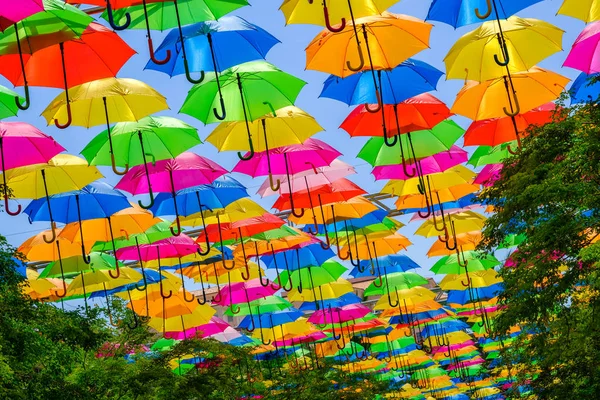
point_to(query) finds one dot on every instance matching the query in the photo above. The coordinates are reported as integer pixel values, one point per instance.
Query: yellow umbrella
(97, 281)
(309, 12)
(457, 175)
(191, 258)
(452, 193)
(477, 279)
(240, 209)
(330, 290)
(167, 307)
(489, 99)
(356, 207)
(585, 10)
(413, 297)
(528, 41)
(104, 100)
(371, 247)
(38, 289)
(287, 126)
(200, 316)
(63, 173)
(465, 241)
(462, 222)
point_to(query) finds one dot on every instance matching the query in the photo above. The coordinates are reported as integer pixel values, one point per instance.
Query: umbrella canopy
(436, 163)
(396, 281)
(340, 190)
(356, 207)
(302, 12)
(476, 262)
(10, 12)
(584, 52)
(8, 105)
(459, 13)
(36, 248)
(72, 266)
(479, 101)
(464, 221)
(453, 176)
(585, 10)
(582, 90)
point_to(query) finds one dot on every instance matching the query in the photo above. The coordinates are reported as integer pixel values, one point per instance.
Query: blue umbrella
(269, 320)
(344, 300)
(96, 200)
(474, 294)
(216, 46)
(391, 263)
(462, 12)
(443, 327)
(583, 91)
(409, 79)
(311, 255)
(374, 217)
(463, 202)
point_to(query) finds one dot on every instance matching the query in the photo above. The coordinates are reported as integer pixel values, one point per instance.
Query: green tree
(550, 193)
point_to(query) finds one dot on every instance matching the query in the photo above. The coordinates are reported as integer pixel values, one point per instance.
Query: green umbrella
(129, 143)
(163, 344)
(8, 105)
(484, 155)
(74, 265)
(153, 234)
(265, 305)
(387, 224)
(58, 23)
(397, 281)
(170, 14)
(452, 264)
(248, 91)
(428, 373)
(330, 271)
(422, 144)
(400, 343)
(471, 371)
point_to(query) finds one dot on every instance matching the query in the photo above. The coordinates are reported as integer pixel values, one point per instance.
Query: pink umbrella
(439, 162)
(488, 175)
(22, 144)
(242, 292)
(289, 160)
(585, 53)
(172, 247)
(309, 178)
(333, 315)
(12, 11)
(184, 171)
(215, 326)
(227, 335)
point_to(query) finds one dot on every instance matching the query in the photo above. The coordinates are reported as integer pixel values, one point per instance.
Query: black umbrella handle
(52, 224)
(62, 273)
(111, 18)
(185, 61)
(223, 113)
(69, 115)
(25, 105)
(86, 258)
(241, 89)
(112, 240)
(150, 193)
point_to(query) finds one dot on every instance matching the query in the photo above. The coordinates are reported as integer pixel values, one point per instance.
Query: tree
(550, 193)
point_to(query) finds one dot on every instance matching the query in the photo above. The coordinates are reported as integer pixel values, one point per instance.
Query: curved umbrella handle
(27, 103)
(64, 294)
(153, 55)
(111, 19)
(361, 61)
(148, 206)
(86, 258)
(114, 166)
(241, 90)
(517, 107)
(487, 13)
(328, 22)
(188, 74)
(429, 208)
(69, 118)
(249, 156)
(386, 138)
(275, 185)
(53, 231)
(504, 50)
(178, 228)
(6, 205)
(379, 105)
(220, 116)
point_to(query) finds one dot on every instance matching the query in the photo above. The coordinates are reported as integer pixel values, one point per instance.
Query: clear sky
(288, 56)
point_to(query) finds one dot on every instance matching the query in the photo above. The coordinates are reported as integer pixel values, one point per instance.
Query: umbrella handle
(153, 55)
(53, 230)
(200, 251)
(386, 138)
(173, 232)
(453, 247)
(487, 13)
(429, 208)
(378, 108)
(504, 51)
(6, 205)
(187, 71)
(86, 258)
(111, 19)
(223, 113)
(510, 150)
(517, 107)
(361, 62)
(276, 185)
(25, 105)
(114, 166)
(251, 154)
(328, 22)
(69, 117)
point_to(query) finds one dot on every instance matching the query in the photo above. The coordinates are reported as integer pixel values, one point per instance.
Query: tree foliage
(550, 193)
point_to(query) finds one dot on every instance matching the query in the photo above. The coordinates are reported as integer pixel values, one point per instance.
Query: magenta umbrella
(215, 326)
(172, 247)
(439, 162)
(488, 175)
(289, 160)
(22, 144)
(13, 11)
(339, 315)
(184, 171)
(242, 292)
(585, 53)
(309, 178)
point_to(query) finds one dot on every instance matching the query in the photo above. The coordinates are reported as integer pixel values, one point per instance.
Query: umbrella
(584, 89)
(184, 171)
(396, 280)
(11, 13)
(585, 10)
(522, 42)
(458, 196)
(478, 279)
(22, 144)
(98, 53)
(161, 15)
(476, 262)
(465, 241)
(339, 190)
(74, 265)
(453, 176)
(96, 200)
(356, 207)
(584, 52)
(8, 105)
(332, 52)
(62, 173)
(300, 257)
(485, 155)
(391, 263)
(91, 103)
(479, 101)
(459, 13)
(248, 91)
(311, 277)
(156, 232)
(489, 174)
(242, 292)
(57, 22)
(212, 42)
(158, 138)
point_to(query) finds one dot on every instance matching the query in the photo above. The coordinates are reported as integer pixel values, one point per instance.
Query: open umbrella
(465, 12)
(584, 52)
(585, 10)
(8, 105)
(62, 173)
(72, 266)
(22, 144)
(11, 13)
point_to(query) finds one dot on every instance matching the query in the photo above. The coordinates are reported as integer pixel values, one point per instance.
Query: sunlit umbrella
(584, 53)
(465, 12)
(585, 10)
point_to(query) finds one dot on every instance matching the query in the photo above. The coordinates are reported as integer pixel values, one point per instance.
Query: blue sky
(288, 56)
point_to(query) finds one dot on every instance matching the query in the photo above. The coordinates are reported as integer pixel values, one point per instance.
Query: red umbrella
(340, 190)
(99, 53)
(239, 229)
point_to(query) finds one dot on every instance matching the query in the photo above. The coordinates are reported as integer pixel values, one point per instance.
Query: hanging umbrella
(391, 263)
(155, 233)
(91, 103)
(62, 173)
(283, 127)
(302, 256)
(479, 101)
(340, 190)
(398, 281)
(485, 155)
(99, 53)
(8, 105)
(311, 277)
(211, 42)
(584, 52)
(466, 221)
(466, 241)
(495, 131)
(353, 208)
(477, 279)
(585, 10)
(22, 144)
(453, 176)
(74, 265)
(476, 262)
(184, 171)
(37, 249)
(162, 15)
(11, 13)
(173, 247)
(56, 23)
(335, 53)
(465, 12)
(242, 292)
(96, 200)
(240, 229)
(131, 143)
(584, 89)
(493, 51)
(489, 174)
